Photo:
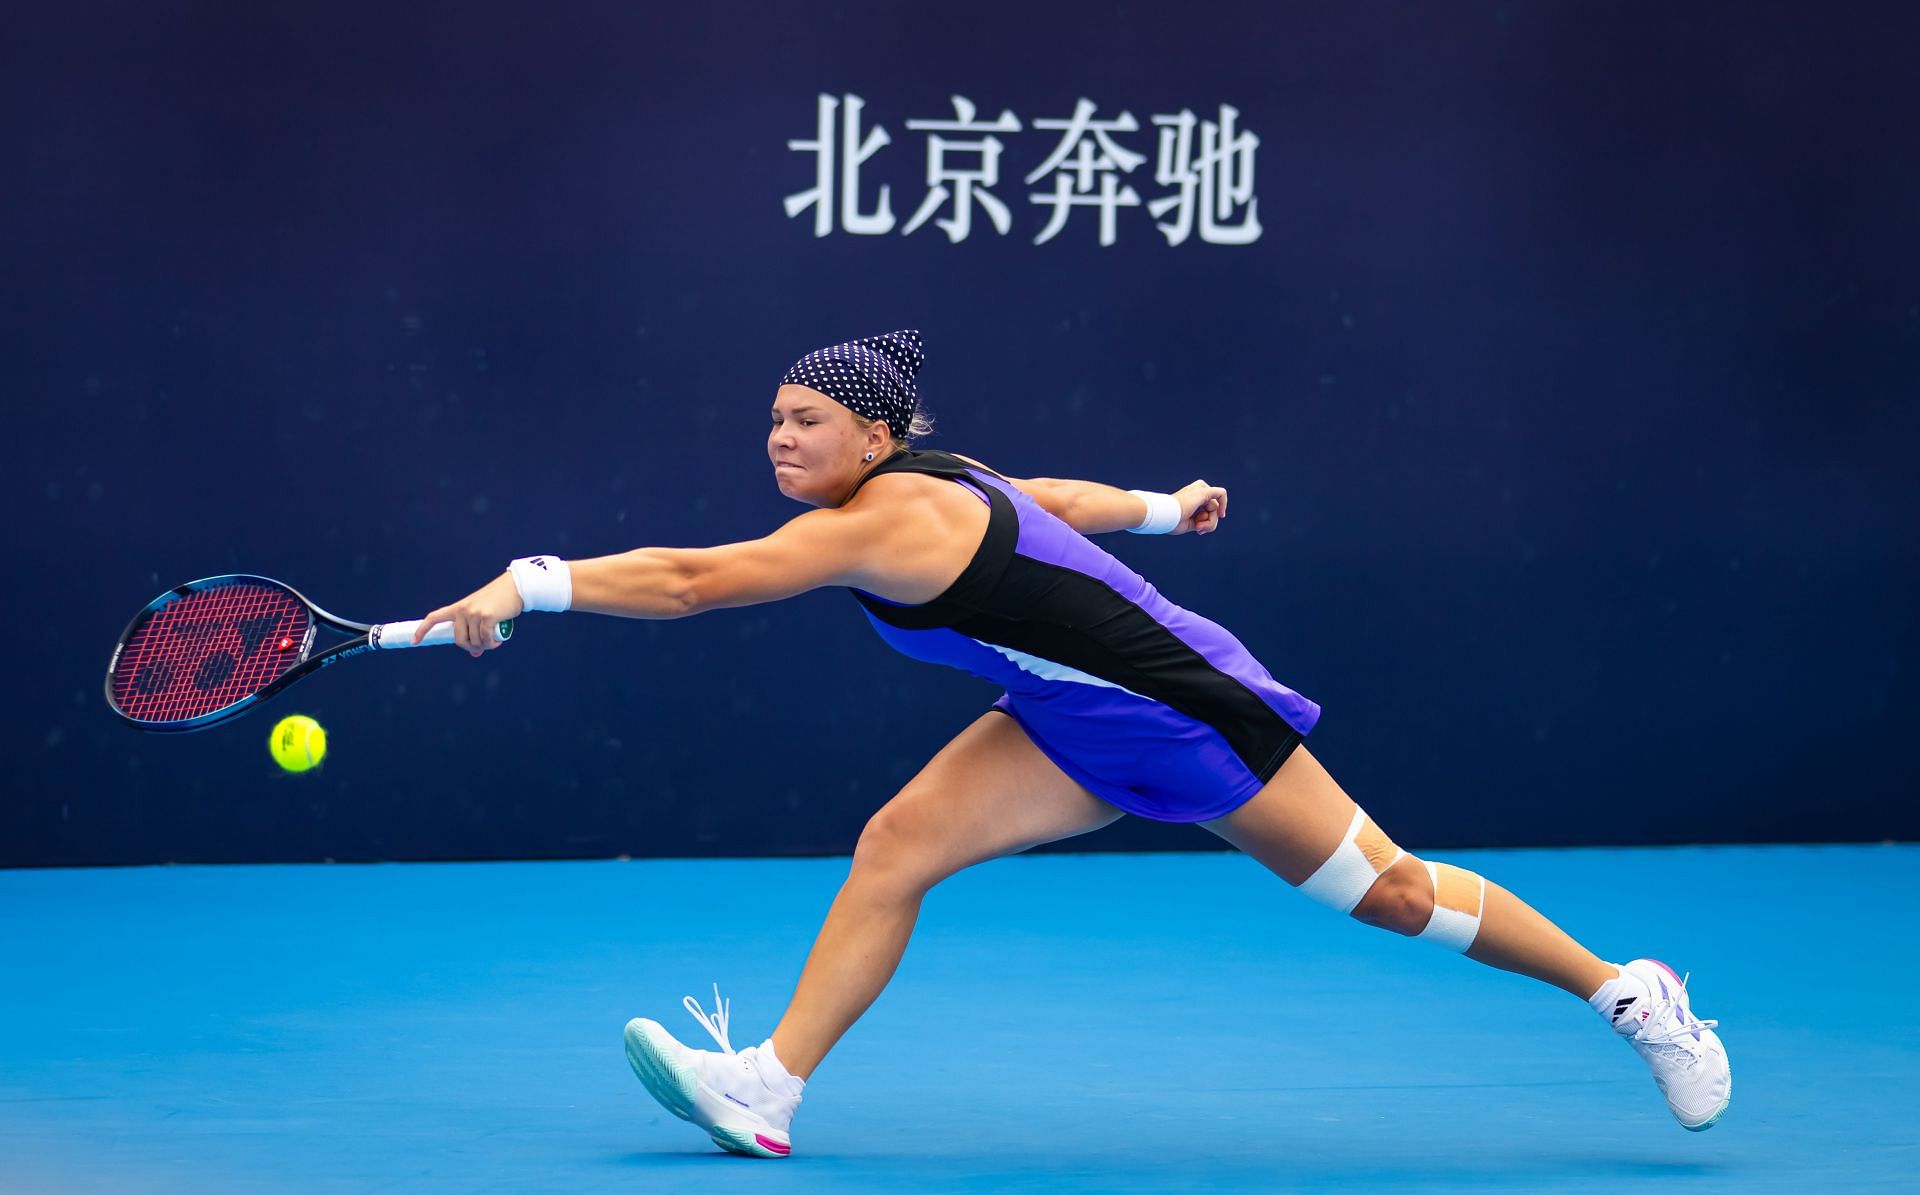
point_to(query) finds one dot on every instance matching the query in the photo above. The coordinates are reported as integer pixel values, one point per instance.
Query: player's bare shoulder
(925, 530)
(919, 503)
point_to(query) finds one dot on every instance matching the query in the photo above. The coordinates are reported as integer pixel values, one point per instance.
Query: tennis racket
(208, 651)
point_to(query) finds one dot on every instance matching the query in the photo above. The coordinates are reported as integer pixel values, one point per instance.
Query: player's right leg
(988, 793)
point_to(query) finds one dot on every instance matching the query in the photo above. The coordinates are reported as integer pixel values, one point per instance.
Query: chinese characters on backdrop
(1202, 176)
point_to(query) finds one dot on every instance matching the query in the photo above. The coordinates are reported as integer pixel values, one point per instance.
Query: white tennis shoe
(724, 1093)
(1689, 1062)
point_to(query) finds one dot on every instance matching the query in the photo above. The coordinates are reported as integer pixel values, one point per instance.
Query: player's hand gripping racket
(208, 651)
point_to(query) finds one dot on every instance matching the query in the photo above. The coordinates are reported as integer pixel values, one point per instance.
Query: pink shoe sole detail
(766, 1142)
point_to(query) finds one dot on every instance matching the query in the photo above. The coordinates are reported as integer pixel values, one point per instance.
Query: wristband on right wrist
(1163, 513)
(544, 583)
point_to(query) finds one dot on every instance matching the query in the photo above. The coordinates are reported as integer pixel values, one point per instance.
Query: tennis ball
(298, 743)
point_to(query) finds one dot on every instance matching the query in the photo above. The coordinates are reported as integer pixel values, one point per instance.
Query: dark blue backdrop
(1567, 400)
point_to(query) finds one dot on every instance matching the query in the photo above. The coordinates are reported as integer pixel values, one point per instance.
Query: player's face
(815, 446)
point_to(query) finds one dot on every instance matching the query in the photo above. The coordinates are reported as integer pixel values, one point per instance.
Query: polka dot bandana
(872, 376)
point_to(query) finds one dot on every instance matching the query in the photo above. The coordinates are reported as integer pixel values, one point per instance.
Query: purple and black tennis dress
(1151, 707)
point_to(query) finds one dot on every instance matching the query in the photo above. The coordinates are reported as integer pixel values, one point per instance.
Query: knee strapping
(1355, 865)
(1459, 902)
(1363, 856)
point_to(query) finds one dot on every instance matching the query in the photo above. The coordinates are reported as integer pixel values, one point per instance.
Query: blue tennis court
(1061, 1023)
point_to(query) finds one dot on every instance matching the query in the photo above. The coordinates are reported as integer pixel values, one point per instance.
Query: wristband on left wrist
(1163, 513)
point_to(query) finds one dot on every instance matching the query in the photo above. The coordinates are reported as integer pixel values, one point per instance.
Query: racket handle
(390, 636)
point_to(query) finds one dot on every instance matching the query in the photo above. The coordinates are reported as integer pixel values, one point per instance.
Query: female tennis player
(1117, 701)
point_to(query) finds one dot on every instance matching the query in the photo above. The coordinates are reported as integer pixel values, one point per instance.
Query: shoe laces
(1671, 1026)
(715, 1024)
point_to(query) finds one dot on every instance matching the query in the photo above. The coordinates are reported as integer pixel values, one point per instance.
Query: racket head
(204, 652)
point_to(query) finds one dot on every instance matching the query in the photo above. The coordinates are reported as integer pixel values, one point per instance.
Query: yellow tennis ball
(298, 743)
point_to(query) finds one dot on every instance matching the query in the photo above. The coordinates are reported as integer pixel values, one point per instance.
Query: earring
(869, 456)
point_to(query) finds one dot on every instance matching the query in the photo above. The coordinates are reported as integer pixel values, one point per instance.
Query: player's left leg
(1304, 828)
(1301, 818)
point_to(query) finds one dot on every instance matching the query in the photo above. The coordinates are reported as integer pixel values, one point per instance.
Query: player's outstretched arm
(819, 548)
(822, 547)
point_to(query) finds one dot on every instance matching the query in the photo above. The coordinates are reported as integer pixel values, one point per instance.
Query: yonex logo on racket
(208, 651)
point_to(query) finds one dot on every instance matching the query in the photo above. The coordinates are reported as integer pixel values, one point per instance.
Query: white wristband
(1163, 513)
(544, 582)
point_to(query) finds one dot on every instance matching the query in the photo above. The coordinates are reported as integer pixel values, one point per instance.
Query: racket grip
(390, 636)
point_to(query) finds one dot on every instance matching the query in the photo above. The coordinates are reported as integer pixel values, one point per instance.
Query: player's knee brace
(1355, 865)
(1459, 901)
(1363, 856)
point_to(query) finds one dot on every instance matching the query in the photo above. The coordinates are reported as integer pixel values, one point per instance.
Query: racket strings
(208, 650)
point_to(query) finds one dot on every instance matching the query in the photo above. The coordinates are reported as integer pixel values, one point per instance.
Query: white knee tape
(1354, 865)
(1459, 901)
